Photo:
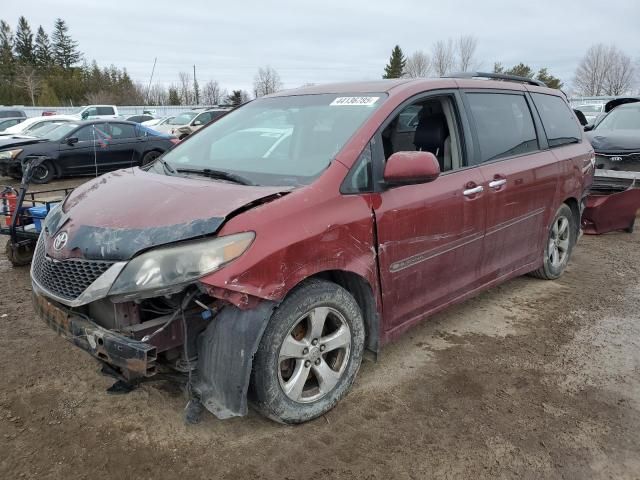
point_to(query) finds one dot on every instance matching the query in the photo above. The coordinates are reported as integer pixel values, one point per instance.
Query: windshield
(182, 119)
(277, 141)
(621, 119)
(590, 108)
(61, 131)
(42, 129)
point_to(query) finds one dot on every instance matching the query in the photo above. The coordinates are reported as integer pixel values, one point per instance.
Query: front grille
(618, 161)
(67, 279)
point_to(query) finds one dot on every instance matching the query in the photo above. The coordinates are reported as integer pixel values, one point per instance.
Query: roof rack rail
(496, 76)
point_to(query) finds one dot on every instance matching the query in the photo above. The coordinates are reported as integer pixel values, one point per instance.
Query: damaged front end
(612, 203)
(150, 315)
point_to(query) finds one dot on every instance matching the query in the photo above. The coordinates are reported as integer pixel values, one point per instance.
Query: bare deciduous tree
(620, 76)
(29, 80)
(157, 95)
(604, 70)
(266, 81)
(418, 65)
(185, 88)
(212, 93)
(443, 57)
(466, 48)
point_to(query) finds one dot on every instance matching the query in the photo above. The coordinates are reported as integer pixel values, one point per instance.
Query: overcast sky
(327, 40)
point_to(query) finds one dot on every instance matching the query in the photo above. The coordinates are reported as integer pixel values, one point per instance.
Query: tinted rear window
(12, 113)
(504, 125)
(558, 120)
(105, 111)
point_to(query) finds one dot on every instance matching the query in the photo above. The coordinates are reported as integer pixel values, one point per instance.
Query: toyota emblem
(60, 241)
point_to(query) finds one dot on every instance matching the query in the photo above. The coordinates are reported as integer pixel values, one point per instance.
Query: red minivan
(262, 256)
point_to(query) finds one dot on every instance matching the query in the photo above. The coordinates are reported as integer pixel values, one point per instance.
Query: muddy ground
(532, 379)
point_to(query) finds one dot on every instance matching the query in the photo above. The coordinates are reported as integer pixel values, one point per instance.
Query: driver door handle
(497, 183)
(472, 191)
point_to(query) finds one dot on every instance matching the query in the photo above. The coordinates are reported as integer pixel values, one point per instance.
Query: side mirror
(85, 115)
(588, 128)
(405, 168)
(71, 141)
(197, 122)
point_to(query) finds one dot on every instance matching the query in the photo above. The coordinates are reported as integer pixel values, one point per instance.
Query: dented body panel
(613, 202)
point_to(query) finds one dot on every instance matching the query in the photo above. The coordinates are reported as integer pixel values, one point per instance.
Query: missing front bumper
(131, 358)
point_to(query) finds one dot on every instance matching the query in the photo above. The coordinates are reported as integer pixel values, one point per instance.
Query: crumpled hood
(18, 141)
(614, 140)
(122, 213)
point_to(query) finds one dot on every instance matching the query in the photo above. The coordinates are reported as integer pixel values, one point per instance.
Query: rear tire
(309, 354)
(561, 239)
(43, 173)
(18, 256)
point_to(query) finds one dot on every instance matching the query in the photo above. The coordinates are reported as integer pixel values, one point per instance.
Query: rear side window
(105, 111)
(123, 130)
(504, 125)
(558, 120)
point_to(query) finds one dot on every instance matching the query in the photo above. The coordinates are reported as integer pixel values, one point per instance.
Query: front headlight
(163, 269)
(10, 154)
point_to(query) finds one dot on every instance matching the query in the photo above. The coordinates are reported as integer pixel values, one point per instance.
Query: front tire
(559, 245)
(43, 173)
(309, 354)
(150, 157)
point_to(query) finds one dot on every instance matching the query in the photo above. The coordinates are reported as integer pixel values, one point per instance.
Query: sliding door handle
(497, 183)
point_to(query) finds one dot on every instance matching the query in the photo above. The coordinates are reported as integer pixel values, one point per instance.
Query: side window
(558, 120)
(203, 118)
(104, 111)
(122, 130)
(89, 133)
(91, 112)
(504, 125)
(360, 177)
(429, 125)
(85, 134)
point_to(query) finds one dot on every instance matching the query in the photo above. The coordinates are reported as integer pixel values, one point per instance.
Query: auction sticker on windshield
(366, 101)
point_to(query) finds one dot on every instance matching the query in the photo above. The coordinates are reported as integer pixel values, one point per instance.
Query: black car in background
(84, 148)
(616, 138)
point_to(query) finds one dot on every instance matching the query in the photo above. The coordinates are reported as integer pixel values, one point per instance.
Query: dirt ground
(530, 380)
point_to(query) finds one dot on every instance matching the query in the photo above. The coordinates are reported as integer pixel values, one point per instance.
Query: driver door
(430, 235)
(83, 156)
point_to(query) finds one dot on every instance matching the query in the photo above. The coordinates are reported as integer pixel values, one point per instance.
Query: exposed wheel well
(363, 294)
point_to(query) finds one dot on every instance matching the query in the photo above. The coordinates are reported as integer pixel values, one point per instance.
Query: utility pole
(196, 88)
(151, 79)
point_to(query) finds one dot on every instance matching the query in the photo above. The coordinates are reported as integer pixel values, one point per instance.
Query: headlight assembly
(167, 269)
(10, 154)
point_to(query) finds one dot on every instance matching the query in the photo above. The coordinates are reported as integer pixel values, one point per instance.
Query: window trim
(464, 133)
(537, 124)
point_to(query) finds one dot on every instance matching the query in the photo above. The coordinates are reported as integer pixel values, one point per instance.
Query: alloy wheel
(314, 355)
(559, 239)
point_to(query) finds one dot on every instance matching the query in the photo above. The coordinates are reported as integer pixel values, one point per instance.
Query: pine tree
(23, 44)
(549, 80)
(42, 50)
(397, 62)
(65, 49)
(521, 70)
(7, 59)
(174, 96)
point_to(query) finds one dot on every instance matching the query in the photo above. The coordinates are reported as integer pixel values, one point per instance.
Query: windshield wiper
(167, 167)
(217, 174)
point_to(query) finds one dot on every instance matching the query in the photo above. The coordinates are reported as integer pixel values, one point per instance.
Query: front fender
(225, 358)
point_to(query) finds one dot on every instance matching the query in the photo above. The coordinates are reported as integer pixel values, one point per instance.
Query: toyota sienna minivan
(264, 255)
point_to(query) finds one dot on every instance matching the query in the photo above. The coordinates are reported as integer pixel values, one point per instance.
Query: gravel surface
(532, 379)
